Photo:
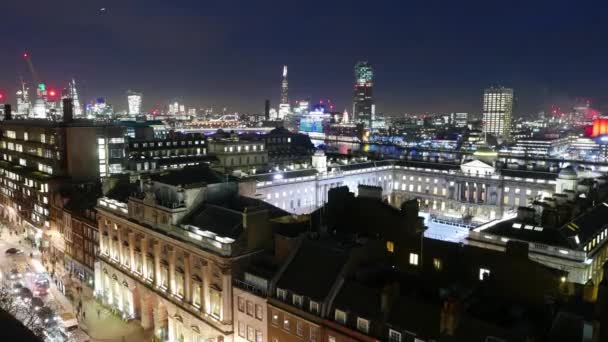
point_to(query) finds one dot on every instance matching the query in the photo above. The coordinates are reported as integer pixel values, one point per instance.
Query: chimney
(525, 214)
(68, 110)
(267, 110)
(8, 114)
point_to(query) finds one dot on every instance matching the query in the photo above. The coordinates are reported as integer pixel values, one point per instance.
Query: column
(132, 252)
(205, 301)
(171, 329)
(187, 279)
(157, 263)
(144, 256)
(172, 287)
(226, 296)
(145, 317)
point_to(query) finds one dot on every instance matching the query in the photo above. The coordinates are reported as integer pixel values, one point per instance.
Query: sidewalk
(107, 326)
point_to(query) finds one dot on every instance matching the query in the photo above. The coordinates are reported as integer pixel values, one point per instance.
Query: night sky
(429, 56)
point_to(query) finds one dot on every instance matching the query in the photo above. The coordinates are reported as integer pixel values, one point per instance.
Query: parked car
(13, 251)
(47, 316)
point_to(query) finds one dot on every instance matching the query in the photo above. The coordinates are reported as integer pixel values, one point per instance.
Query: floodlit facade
(134, 100)
(497, 112)
(362, 100)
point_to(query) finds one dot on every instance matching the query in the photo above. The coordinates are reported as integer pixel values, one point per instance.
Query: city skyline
(418, 68)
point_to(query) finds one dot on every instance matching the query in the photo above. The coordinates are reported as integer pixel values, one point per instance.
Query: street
(96, 323)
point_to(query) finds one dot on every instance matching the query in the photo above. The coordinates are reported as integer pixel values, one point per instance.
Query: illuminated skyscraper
(284, 107)
(497, 111)
(362, 100)
(134, 100)
(285, 87)
(23, 101)
(73, 94)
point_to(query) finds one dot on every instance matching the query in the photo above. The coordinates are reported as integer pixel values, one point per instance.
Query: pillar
(146, 315)
(226, 296)
(172, 286)
(187, 279)
(132, 252)
(171, 330)
(144, 256)
(157, 280)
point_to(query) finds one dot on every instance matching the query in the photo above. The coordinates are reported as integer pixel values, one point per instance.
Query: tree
(10, 302)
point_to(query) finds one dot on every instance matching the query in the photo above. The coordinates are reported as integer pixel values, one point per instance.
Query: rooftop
(190, 177)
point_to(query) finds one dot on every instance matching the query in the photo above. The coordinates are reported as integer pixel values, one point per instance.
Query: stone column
(146, 319)
(226, 296)
(172, 285)
(157, 280)
(205, 299)
(187, 279)
(144, 256)
(132, 252)
(171, 330)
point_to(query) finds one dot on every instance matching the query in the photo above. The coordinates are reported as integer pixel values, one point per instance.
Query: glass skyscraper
(362, 100)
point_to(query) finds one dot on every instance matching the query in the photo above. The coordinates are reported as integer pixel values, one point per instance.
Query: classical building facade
(474, 189)
(174, 274)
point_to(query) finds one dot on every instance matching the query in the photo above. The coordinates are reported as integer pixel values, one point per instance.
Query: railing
(249, 287)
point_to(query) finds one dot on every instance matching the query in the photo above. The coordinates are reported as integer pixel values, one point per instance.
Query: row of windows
(169, 143)
(248, 332)
(249, 307)
(287, 325)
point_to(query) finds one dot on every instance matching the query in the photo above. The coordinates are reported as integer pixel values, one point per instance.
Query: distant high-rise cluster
(497, 112)
(134, 99)
(363, 101)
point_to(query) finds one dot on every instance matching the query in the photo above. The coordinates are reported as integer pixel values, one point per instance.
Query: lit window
(390, 246)
(299, 328)
(437, 264)
(483, 273)
(363, 324)
(340, 316)
(414, 259)
(506, 189)
(286, 323)
(275, 318)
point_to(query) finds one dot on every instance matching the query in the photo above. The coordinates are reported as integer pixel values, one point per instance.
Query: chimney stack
(8, 115)
(68, 110)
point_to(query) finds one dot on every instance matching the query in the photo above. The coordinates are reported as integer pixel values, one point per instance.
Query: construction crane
(30, 65)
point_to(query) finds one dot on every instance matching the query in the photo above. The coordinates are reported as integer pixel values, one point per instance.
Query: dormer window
(297, 300)
(281, 294)
(314, 307)
(363, 324)
(340, 316)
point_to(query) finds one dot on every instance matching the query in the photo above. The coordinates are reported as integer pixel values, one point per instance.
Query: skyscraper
(285, 87)
(497, 111)
(23, 101)
(362, 100)
(134, 100)
(284, 107)
(73, 94)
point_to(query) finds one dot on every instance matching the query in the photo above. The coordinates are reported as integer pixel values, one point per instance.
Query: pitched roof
(313, 270)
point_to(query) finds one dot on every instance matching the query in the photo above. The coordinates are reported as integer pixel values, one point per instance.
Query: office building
(134, 100)
(497, 112)
(459, 120)
(363, 101)
(38, 156)
(236, 153)
(173, 151)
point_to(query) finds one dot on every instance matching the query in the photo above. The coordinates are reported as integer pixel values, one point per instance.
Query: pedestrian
(84, 315)
(98, 313)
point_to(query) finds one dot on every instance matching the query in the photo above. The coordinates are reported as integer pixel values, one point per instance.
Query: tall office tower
(134, 100)
(73, 94)
(24, 105)
(284, 107)
(267, 110)
(362, 100)
(285, 87)
(497, 111)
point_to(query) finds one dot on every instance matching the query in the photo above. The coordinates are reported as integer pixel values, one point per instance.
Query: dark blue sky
(427, 55)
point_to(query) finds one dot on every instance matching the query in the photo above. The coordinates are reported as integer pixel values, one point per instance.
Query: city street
(98, 322)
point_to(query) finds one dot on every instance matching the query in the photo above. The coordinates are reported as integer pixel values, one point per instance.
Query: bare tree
(10, 302)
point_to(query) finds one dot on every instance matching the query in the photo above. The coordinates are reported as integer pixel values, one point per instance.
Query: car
(17, 287)
(41, 287)
(13, 251)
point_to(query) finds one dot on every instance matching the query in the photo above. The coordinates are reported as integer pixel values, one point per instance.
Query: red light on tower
(26, 55)
(1, 96)
(52, 93)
